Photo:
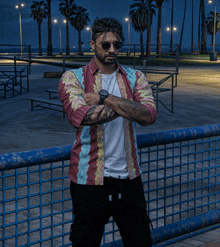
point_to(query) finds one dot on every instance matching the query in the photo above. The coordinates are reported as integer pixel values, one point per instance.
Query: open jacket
(87, 155)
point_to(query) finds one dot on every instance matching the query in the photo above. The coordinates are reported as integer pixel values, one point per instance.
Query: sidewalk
(196, 103)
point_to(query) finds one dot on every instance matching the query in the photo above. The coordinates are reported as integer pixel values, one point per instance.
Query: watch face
(104, 92)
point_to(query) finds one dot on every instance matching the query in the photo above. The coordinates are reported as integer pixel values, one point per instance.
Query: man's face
(105, 56)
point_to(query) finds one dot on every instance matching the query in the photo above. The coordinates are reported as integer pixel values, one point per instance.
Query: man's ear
(92, 44)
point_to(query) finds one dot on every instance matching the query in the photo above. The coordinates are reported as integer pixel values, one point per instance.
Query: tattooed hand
(99, 114)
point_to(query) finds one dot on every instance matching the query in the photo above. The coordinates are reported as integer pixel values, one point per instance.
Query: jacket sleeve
(143, 94)
(70, 93)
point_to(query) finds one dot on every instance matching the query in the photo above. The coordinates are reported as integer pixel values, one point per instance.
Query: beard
(103, 60)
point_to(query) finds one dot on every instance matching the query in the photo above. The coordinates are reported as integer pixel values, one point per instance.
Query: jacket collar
(93, 67)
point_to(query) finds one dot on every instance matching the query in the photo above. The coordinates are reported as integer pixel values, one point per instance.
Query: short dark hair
(104, 25)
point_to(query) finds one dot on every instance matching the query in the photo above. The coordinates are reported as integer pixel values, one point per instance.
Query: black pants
(93, 205)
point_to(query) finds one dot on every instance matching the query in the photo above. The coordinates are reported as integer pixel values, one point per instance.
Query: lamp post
(213, 54)
(19, 8)
(168, 29)
(88, 29)
(128, 20)
(59, 22)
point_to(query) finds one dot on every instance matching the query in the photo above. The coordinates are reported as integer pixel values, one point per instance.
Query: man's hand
(91, 98)
(99, 114)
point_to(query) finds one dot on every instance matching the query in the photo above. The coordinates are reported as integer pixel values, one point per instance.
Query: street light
(88, 29)
(59, 22)
(169, 29)
(19, 8)
(213, 55)
(128, 20)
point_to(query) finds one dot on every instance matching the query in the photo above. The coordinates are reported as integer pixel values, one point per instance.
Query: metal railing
(181, 179)
(12, 75)
(167, 83)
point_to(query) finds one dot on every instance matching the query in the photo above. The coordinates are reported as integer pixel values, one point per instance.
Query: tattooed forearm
(131, 110)
(99, 114)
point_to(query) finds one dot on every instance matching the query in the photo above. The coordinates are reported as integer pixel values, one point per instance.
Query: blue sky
(9, 22)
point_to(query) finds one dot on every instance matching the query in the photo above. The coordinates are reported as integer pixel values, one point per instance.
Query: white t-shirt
(115, 155)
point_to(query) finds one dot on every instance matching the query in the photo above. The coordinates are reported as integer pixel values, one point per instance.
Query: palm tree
(79, 20)
(49, 27)
(38, 12)
(203, 28)
(139, 18)
(181, 36)
(199, 27)
(192, 30)
(210, 23)
(67, 8)
(150, 12)
(159, 4)
(171, 26)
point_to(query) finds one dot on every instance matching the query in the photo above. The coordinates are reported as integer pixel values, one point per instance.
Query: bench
(52, 91)
(44, 104)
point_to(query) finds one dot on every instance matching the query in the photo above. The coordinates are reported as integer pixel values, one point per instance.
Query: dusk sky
(119, 9)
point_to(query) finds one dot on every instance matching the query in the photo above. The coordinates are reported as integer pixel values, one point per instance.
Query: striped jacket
(87, 155)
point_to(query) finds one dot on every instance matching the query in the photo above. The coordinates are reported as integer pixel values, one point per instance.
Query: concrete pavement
(196, 103)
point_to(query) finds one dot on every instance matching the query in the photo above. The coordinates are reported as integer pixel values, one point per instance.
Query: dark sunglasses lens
(106, 45)
(118, 45)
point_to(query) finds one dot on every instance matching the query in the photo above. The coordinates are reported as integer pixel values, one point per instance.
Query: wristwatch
(103, 95)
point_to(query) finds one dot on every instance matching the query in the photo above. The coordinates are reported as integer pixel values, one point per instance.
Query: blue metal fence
(181, 178)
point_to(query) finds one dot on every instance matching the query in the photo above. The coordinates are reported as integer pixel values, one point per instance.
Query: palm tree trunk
(141, 42)
(159, 31)
(203, 27)
(49, 45)
(171, 26)
(184, 16)
(199, 28)
(67, 38)
(148, 48)
(39, 39)
(79, 41)
(192, 30)
(148, 41)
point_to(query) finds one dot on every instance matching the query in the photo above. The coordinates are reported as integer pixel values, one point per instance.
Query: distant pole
(199, 27)
(59, 23)
(128, 20)
(19, 9)
(89, 34)
(20, 29)
(213, 48)
(171, 34)
(192, 29)
(129, 36)
(60, 37)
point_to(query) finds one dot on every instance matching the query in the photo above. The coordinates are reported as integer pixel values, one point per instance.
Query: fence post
(29, 57)
(144, 64)
(134, 56)
(177, 59)
(63, 64)
(15, 69)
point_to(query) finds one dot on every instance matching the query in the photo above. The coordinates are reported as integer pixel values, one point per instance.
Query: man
(103, 100)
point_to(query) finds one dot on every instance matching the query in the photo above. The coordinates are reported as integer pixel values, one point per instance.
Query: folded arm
(99, 114)
(140, 109)
(129, 109)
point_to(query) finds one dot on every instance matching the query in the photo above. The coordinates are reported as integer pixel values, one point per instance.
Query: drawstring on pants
(117, 186)
(120, 189)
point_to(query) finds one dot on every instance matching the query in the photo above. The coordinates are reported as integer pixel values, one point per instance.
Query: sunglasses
(106, 45)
